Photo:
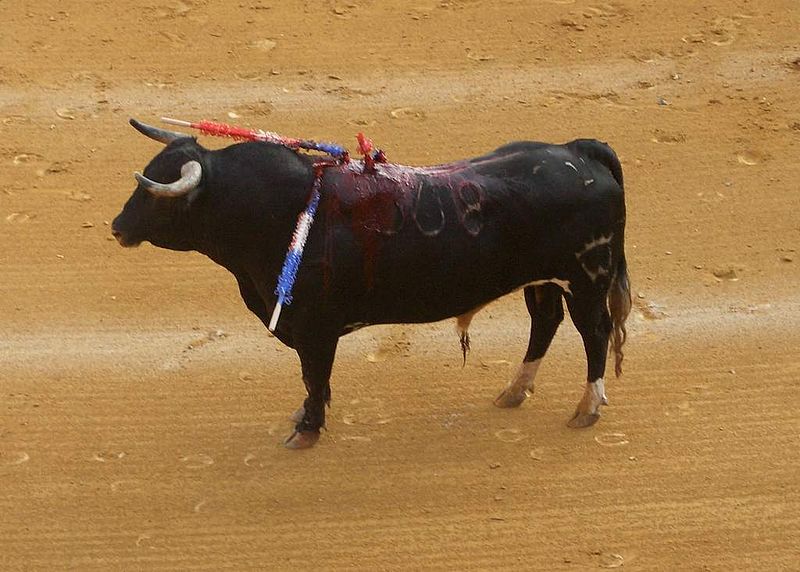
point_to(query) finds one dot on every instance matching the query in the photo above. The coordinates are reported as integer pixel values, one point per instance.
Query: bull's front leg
(316, 359)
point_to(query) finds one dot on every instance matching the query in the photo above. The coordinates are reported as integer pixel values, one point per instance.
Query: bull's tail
(619, 293)
(619, 306)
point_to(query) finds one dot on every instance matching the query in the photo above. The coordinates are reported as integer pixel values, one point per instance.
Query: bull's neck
(245, 227)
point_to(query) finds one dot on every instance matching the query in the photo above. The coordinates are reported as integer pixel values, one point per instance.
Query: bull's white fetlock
(588, 411)
(521, 387)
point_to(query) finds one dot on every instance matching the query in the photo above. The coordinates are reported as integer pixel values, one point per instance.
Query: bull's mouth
(124, 241)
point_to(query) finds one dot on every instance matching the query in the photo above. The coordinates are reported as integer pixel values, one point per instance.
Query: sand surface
(142, 406)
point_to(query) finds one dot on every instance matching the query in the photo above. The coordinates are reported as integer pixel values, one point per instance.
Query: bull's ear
(161, 135)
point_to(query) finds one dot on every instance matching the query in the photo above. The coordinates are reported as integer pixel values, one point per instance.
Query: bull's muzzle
(124, 239)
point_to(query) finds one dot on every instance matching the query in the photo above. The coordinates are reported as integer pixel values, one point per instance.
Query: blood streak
(379, 203)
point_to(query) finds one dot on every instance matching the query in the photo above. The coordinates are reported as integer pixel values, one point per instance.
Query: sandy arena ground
(142, 406)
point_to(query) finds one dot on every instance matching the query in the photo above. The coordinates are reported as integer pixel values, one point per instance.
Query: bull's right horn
(191, 173)
(162, 135)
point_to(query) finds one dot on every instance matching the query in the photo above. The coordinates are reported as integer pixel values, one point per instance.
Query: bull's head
(170, 182)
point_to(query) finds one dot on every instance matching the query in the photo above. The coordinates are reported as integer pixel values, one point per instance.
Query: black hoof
(301, 440)
(508, 398)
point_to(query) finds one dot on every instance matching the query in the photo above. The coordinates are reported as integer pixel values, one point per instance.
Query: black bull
(402, 245)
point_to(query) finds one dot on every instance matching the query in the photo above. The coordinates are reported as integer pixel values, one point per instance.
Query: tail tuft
(619, 306)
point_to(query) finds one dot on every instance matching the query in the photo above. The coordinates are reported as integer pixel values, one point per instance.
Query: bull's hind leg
(547, 312)
(589, 313)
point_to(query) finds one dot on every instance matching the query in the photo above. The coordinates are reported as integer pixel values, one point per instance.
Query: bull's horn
(161, 135)
(191, 173)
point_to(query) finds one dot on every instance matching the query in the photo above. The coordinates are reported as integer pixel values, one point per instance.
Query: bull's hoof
(581, 420)
(510, 397)
(301, 440)
(588, 411)
(298, 415)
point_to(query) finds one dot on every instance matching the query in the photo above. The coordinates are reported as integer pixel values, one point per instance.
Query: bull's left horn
(162, 135)
(191, 173)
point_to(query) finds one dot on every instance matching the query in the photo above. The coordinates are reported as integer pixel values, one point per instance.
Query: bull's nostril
(118, 236)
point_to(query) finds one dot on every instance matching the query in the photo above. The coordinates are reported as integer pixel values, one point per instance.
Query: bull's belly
(434, 298)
